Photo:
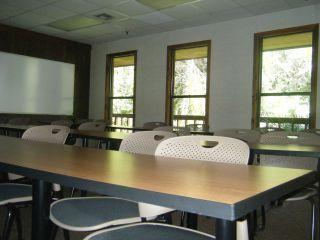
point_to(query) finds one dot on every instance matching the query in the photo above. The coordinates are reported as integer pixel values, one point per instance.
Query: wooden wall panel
(24, 42)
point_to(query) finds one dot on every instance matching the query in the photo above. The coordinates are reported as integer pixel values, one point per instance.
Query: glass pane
(285, 106)
(189, 106)
(190, 77)
(286, 70)
(123, 81)
(122, 106)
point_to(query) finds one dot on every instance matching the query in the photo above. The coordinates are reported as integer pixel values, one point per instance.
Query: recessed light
(75, 22)
(104, 16)
(162, 4)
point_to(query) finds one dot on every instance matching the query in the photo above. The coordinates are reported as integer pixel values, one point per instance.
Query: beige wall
(231, 66)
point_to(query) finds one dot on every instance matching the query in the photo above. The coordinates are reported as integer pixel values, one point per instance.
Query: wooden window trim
(257, 56)
(170, 71)
(108, 83)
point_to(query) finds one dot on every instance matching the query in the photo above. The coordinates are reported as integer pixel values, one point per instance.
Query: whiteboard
(35, 86)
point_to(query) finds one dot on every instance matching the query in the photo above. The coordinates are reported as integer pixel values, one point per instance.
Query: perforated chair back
(19, 121)
(164, 128)
(281, 137)
(205, 148)
(263, 130)
(153, 125)
(183, 131)
(93, 126)
(45, 133)
(64, 122)
(197, 127)
(144, 142)
(246, 135)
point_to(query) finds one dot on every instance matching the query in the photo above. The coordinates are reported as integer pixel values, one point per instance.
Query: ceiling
(130, 17)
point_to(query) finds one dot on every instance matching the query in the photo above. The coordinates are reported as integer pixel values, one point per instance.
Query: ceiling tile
(23, 4)
(154, 18)
(169, 26)
(106, 3)
(53, 12)
(77, 6)
(28, 20)
(247, 2)
(130, 24)
(200, 20)
(183, 11)
(215, 5)
(299, 3)
(132, 8)
(107, 28)
(232, 14)
(267, 6)
(7, 11)
(47, 30)
(116, 15)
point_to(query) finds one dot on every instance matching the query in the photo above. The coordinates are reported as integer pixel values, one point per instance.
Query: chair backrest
(93, 126)
(263, 130)
(144, 142)
(19, 121)
(183, 131)
(44, 133)
(62, 122)
(79, 121)
(205, 148)
(197, 127)
(153, 125)
(247, 135)
(282, 137)
(164, 128)
(47, 133)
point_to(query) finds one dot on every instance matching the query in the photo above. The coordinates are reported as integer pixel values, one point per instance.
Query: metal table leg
(41, 225)
(225, 230)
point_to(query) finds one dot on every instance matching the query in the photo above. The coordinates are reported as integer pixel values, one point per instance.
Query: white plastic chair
(153, 125)
(164, 128)
(62, 122)
(300, 138)
(246, 135)
(94, 213)
(12, 194)
(90, 126)
(206, 148)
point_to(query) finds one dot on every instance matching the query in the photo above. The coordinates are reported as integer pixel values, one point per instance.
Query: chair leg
(53, 233)
(263, 218)
(18, 222)
(242, 230)
(66, 234)
(8, 223)
(314, 219)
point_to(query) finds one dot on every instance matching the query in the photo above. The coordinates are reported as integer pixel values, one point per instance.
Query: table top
(286, 150)
(100, 135)
(226, 191)
(15, 127)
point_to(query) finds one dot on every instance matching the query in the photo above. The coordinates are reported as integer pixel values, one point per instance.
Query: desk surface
(101, 135)
(286, 150)
(225, 191)
(15, 127)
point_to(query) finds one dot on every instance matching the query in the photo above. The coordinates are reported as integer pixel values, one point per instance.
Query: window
(188, 73)
(285, 78)
(120, 88)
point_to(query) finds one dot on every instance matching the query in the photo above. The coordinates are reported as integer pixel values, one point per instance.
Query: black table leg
(41, 225)
(192, 220)
(225, 230)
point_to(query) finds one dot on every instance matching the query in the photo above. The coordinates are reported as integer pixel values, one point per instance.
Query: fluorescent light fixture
(75, 22)
(162, 4)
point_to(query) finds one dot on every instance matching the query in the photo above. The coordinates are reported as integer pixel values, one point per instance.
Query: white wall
(231, 66)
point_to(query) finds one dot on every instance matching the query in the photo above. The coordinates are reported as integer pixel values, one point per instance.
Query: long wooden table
(224, 191)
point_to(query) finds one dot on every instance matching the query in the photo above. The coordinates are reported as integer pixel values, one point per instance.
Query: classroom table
(224, 191)
(15, 128)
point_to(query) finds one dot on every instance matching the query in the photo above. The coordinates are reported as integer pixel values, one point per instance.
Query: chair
(14, 195)
(197, 127)
(94, 213)
(269, 129)
(246, 135)
(90, 126)
(281, 137)
(206, 148)
(153, 125)
(62, 122)
(164, 128)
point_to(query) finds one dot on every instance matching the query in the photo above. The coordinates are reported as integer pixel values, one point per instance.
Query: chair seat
(149, 231)
(15, 193)
(93, 213)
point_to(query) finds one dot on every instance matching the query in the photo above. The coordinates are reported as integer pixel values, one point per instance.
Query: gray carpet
(290, 221)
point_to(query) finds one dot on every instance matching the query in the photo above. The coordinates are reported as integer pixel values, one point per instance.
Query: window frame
(170, 80)
(109, 86)
(257, 75)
